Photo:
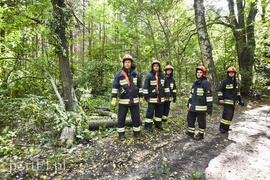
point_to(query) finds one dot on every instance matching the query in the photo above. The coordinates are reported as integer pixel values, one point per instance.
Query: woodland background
(58, 58)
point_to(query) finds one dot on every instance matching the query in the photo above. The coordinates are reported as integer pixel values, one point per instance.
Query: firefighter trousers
(227, 116)
(135, 115)
(166, 109)
(154, 109)
(191, 119)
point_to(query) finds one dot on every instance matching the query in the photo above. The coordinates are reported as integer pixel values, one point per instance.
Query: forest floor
(169, 154)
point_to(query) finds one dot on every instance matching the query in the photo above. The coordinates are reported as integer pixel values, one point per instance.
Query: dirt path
(247, 157)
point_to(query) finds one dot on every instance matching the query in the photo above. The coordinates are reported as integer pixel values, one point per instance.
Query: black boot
(137, 134)
(158, 125)
(198, 136)
(121, 135)
(223, 130)
(148, 127)
(164, 120)
(190, 134)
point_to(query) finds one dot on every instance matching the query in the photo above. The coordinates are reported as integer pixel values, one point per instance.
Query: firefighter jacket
(229, 91)
(156, 87)
(172, 87)
(201, 99)
(128, 87)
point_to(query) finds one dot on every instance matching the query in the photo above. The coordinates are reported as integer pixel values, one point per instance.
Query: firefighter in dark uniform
(155, 91)
(169, 77)
(127, 85)
(228, 94)
(200, 102)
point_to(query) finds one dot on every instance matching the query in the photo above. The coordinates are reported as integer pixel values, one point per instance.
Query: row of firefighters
(159, 90)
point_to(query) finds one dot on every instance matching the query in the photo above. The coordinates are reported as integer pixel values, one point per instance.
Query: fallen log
(103, 108)
(94, 124)
(106, 113)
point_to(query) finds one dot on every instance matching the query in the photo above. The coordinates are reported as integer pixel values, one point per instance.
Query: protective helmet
(231, 69)
(127, 57)
(168, 67)
(203, 69)
(155, 62)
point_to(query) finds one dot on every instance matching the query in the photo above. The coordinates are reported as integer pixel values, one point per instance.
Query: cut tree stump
(67, 135)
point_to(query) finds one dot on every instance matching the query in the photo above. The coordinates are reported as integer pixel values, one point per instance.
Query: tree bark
(148, 22)
(245, 43)
(95, 124)
(61, 18)
(106, 113)
(205, 45)
(62, 49)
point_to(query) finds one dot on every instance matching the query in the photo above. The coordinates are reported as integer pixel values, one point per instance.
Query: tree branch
(24, 77)
(232, 13)
(49, 75)
(77, 19)
(218, 21)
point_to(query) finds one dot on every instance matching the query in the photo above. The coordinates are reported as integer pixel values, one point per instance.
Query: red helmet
(127, 57)
(231, 69)
(203, 69)
(168, 67)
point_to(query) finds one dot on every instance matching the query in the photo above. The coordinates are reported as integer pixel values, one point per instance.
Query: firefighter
(200, 102)
(128, 86)
(228, 94)
(155, 91)
(169, 77)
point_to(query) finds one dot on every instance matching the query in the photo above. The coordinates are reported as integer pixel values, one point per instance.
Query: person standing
(155, 91)
(228, 94)
(172, 86)
(127, 85)
(199, 103)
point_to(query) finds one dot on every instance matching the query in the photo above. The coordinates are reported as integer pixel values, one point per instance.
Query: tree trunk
(265, 36)
(245, 42)
(2, 37)
(205, 45)
(63, 54)
(168, 44)
(62, 49)
(148, 22)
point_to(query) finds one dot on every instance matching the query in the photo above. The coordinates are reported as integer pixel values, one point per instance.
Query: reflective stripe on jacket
(201, 96)
(229, 91)
(149, 89)
(128, 95)
(172, 87)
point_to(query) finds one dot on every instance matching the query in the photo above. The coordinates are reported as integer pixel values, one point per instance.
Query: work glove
(141, 100)
(174, 100)
(209, 110)
(241, 103)
(113, 102)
